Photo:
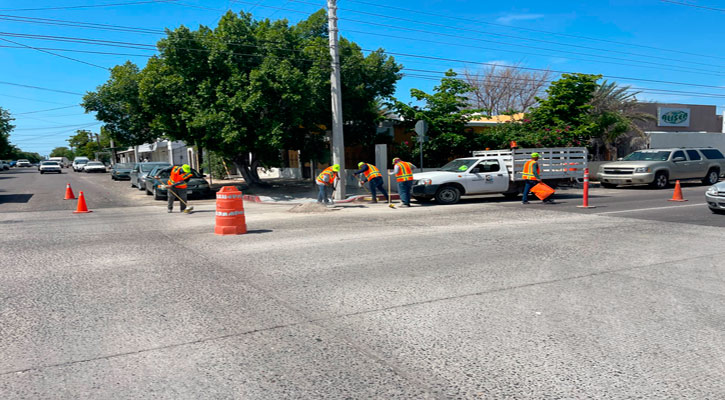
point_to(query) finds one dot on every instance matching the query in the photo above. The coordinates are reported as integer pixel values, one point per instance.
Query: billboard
(670, 116)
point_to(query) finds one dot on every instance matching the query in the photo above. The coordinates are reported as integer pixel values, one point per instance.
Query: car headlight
(642, 169)
(424, 182)
(712, 190)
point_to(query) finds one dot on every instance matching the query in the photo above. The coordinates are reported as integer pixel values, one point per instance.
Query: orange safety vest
(327, 171)
(529, 170)
(178, 175)
(405, 171)
(372, 172)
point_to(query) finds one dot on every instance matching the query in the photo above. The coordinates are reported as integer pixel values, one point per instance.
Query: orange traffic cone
(82, 208)
(677, 196)
(69, 193)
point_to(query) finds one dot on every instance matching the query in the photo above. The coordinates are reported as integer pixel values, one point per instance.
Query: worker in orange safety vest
(326, 183)
(177, 184)
(531, 176)
(374, 178)
(403, 172)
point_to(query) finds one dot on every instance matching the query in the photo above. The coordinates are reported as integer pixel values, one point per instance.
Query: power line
(29, 99)
(83, 51)
(46, 127)
(679, 3)
(25, 138)
(49, 109)
(40, 88)
(54, 54)
(437, 15)
(78, 24)
(86, 6)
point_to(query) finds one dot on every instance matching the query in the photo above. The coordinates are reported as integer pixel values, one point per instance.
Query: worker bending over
(176, 184)
(326, 183)
(372, 175)
(403, 172)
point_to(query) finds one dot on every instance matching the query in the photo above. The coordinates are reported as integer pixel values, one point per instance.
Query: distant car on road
(658, 167)
(197, 185)
(79, 163)
(50, 166)
(23, 163)
(94, 166)
(715, 197)
(63, 161)
(122, 171)
(13, 163)
(4, 165)
(140, 171)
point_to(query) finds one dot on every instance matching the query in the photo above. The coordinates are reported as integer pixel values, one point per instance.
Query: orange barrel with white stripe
(230, 218)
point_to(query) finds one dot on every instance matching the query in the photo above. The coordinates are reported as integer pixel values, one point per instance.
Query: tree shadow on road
(15, 198)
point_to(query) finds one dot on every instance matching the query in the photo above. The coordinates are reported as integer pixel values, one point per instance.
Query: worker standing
(176, 184)
(531, 176)
(403, 172)
(374, 178)
(326, 183)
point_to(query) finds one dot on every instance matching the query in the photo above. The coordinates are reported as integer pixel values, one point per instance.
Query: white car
(49, 166)
(4, 165)
(79, 163)
(23, 163)
(94, 166)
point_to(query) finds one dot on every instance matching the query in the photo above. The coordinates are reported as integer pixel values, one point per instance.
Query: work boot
(374, 200)
(524, 202)
(169, 211)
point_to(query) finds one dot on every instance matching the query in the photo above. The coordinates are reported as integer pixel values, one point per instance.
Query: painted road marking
(652, 208)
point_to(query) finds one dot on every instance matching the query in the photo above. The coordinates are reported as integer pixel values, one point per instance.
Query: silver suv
(657, 167)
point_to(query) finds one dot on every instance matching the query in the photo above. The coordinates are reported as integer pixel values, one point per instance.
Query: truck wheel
(448, 195)
(661, 180)
(712, 177)
(608, 185)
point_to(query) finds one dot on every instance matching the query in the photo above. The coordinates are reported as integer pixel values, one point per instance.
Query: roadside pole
(421, 128)
(338, 140)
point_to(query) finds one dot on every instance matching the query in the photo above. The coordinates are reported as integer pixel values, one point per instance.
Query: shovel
(188, 209)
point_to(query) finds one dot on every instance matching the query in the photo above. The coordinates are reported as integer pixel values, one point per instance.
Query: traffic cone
(69, 193)
(82, 208)
(677, 196)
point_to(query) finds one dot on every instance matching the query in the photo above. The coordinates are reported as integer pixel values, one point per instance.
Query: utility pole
(338, 139)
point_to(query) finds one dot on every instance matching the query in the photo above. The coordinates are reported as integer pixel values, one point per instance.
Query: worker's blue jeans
(527, 187)
(377, 184)
(404, 191)
(323, 196)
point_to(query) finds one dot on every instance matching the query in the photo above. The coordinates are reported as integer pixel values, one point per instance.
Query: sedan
(94, 166)
(140, 170)
(197, 185)
(23, 163)
(50, 166)
(122, 171)
(715, 197)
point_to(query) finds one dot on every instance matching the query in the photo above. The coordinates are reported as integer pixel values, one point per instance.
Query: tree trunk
(249, 172)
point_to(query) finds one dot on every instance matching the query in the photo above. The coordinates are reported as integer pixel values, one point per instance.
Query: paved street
(483, 299)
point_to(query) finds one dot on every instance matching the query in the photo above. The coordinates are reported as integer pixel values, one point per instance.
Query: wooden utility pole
(338, 139)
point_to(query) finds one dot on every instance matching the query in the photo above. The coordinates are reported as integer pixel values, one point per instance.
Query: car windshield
(123, 166)
(165, 174)
(149, 167)
(648, 156)
(49, 163)
(81, 161)
(459, 165)
(96, 163)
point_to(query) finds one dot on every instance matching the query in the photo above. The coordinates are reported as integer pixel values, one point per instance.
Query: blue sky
(633, 42)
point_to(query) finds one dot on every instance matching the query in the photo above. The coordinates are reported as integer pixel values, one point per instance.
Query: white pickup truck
(497, 171)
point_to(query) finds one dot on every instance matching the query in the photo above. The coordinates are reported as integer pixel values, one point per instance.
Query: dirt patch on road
(310, 208)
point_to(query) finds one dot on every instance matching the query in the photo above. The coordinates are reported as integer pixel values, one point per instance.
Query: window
(679, 153)
(648, 155)
(694, 155)
(712, 154)
(487, 166)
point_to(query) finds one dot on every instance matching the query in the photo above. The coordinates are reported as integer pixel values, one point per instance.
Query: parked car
(63, 161)
(140, 171)
(658, 167)
(13, 163)
(50, 166)
(122, 171)
(94, 166)
(715, 197)
(79, 163)
(4, 165)
(197, 185)
(23, 163)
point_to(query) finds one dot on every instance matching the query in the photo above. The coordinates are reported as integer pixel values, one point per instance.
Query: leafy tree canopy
(62, 152)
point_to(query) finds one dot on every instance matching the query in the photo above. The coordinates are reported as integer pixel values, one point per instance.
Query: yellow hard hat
(396, 159)
(336, 167)
(535, 155)
(186, 168)
(360, 164)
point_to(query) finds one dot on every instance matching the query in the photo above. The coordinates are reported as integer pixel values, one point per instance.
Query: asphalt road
(484, 299)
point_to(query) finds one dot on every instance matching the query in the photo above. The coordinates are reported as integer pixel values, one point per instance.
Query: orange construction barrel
(230, 212)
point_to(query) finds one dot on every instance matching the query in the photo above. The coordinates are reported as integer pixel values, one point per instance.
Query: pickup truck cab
(496, 171)
(658, 167)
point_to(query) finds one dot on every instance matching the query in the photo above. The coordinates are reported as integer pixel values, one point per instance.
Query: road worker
(326, 183)
(176, 184)
(403, 172)
(532, 177)
(372, 175)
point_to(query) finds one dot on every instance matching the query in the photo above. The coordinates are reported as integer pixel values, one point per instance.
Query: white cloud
(507, 19)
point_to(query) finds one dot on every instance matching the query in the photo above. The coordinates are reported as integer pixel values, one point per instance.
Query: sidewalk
(291, 191)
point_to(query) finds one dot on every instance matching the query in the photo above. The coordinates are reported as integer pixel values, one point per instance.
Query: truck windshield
(459, 165)
(648, 156)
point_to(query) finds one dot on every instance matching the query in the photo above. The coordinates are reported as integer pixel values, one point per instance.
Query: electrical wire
(86, 6)
(55, 54)
(40, 88)
(49, 109)
(679, 3)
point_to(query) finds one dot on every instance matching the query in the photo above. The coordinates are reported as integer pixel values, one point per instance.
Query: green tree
(446, 112)
(6, 149)
(118, 105)
(615, 111)
(62, 152)
(84, 144)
